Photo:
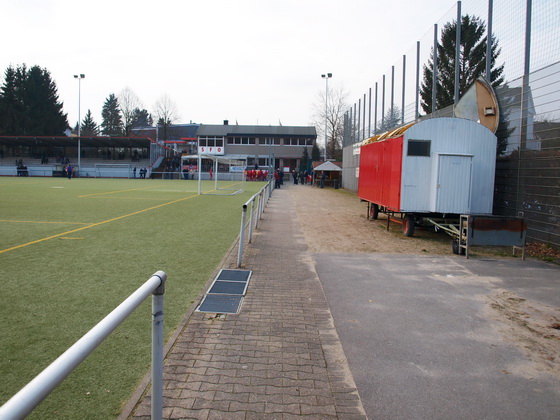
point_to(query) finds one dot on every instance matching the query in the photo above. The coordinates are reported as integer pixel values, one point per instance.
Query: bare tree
(165, 112)
(336, 104)
(128, 102)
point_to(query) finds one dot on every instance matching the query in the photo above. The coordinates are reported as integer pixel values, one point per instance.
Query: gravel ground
(336, 221)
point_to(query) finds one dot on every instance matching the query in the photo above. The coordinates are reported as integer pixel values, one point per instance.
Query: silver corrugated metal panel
(458, 174)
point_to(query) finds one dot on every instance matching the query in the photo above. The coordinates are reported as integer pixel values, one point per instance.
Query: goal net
(113, 170)
(221, 175)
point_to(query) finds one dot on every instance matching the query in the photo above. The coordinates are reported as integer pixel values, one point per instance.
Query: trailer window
(419, 147)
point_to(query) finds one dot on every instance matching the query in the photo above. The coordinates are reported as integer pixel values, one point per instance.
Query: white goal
(113, 170)
(221, 175)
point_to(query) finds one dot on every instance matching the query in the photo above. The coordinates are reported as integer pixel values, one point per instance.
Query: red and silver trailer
(436, 168)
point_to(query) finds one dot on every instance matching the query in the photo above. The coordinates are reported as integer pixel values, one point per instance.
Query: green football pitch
(73, 250)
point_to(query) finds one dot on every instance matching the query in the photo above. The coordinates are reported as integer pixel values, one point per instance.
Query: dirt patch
(335, 221)
(533, 326)
(544, 252)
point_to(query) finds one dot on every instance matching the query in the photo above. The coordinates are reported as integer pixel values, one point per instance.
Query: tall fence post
(435, 73)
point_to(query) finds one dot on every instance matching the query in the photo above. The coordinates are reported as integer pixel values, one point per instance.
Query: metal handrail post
(265, 197)
(157, 352)
(242, 235)
(251, 217)
(264, 201)
(21, 404)
(258, 210)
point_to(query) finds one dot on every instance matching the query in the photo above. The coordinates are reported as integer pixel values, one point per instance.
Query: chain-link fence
(522, 63)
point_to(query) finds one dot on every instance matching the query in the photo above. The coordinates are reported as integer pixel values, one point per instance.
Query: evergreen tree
(305, 162)
(89, 127)
(141, 118)
(44, 116)
(29, 103)
(112, 124)
(392, 119)
(471, 66)
(315, 153)
(12, 107)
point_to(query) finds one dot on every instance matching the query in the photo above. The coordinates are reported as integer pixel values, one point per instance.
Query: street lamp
(79, 77)
(326, 77)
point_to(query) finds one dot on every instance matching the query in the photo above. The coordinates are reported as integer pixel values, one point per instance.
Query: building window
(241, 140)
(419, 148)
(295, 142)
(270, 141)
(211, 141)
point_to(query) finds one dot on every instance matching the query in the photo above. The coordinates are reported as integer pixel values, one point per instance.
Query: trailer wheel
(408, 225)
(374, 211)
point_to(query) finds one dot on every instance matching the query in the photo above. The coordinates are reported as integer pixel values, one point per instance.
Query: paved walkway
(279, 358)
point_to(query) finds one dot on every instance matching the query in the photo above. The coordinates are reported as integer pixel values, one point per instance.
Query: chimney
(226, 122)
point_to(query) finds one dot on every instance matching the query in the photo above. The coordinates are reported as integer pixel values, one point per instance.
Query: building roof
(256, 130)
(63, 141)
(173, 131)
(328, 166)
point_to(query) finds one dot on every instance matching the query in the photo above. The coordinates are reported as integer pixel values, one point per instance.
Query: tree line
(30, 106)
(29, 103)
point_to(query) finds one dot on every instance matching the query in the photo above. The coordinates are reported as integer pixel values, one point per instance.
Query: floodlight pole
(79, 77)
(326, 77)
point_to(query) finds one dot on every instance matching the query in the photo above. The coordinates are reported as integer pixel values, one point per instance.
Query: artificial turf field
(73, 250)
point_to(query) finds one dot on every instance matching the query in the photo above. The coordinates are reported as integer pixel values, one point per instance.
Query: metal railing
(263, 195)
(29, 397)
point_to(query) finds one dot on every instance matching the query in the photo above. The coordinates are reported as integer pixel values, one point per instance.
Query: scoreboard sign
(211, 150)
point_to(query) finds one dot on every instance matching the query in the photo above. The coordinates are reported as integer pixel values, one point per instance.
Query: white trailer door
(453, 188)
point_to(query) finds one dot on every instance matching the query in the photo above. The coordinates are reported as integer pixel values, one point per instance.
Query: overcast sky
(250, 61)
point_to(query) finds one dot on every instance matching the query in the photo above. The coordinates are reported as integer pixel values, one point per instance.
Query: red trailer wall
(380, 173)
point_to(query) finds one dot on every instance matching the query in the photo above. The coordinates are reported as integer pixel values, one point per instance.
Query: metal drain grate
(226, 292)
(234, 275)
(220, 304)
(228, 288)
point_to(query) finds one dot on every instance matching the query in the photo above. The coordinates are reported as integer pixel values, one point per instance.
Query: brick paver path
(279, 358)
